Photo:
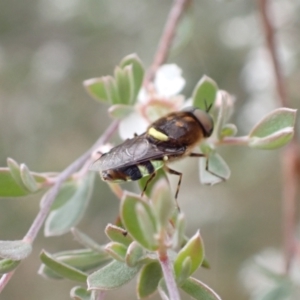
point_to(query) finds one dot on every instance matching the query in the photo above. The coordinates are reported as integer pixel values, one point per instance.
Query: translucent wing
(132, 151)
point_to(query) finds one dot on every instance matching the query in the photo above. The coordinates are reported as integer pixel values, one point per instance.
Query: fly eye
(205, 120)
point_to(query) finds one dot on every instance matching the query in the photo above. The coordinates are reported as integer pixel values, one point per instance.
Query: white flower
(160, 100)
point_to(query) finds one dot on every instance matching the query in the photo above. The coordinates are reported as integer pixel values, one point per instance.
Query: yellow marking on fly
(157, 134)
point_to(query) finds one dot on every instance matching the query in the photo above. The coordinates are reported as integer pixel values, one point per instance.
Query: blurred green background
(48, 47)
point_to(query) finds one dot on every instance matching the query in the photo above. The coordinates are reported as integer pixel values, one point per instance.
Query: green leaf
(274, 130)
(80, 293)
(15, 250)
(147, 225)
(86, 241)
(82, 259)
(111, 89)
(273, 141)
(135, 253)
(148, 280)
(139, 220)
(28, 179)
(118, 234)
(224, 105)
(159, 175)
(67, 216)
(11, 183)
(198, 290)
(194, 250)
(218, 170)
(120, 111)
(62, 269)
(16, 173)
(112, 276)
(204, 94)
(228, 130)
(8, 185)
(7, 265)
(96, 89)
(163, 202)
(178, 236)
(137, 72)
(122, 77)
(66, 192)
(116, 251)
(48, 273)
(275, 121)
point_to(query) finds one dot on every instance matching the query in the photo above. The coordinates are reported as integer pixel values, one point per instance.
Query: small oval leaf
(96, 89)
(163, 202)
(28, 179)
(61, 220)
(141, 228)
(112, 276)
(15, 250)
(86, 241)
(62, 269)
(135, 253)
(198, 290)
(116, 251)
(215, 171)
(148, 280)
(275, 121)
(80, 293)
(7, 265)
(204, 94)
(194, 250)
(118, 234)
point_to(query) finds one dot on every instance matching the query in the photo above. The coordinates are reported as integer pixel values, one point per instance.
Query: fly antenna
(207, 108)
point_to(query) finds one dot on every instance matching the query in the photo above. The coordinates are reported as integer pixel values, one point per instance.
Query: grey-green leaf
(148, 280)
(137, 71)
(7, 265)
(86, 241)
(218, 170)
(96, 89)
(67, 216)
(28, 179)
(275, 121)
(80, 293)
(118, 234)
(112, 276)
(204, 94)
(15, 250)
(198, 290)
(62, 269)
(139, 219)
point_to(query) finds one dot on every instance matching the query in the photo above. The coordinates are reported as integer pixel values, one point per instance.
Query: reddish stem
(290, 156)
(167, 37)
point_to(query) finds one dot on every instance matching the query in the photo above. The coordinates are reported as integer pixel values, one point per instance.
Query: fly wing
(131, 151)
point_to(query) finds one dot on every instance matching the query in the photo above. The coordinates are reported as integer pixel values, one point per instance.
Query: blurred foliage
(48, 48)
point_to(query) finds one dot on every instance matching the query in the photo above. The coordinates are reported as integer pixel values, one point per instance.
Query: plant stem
(169, 276)
(51, 194)
(167, 38)
(290, 155)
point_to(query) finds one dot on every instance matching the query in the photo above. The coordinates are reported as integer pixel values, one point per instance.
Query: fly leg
(206, 164)
(171, 171)
(148, 181)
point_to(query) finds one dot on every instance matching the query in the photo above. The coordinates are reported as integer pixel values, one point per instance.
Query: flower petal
(168, 80)
(132, 124)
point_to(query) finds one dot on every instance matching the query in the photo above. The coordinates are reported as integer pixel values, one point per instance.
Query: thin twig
(167, 37)
(166, 267)
(290, 156)
(51, 194)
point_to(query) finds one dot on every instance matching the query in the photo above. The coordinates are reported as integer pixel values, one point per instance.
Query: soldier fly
(170, 138)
